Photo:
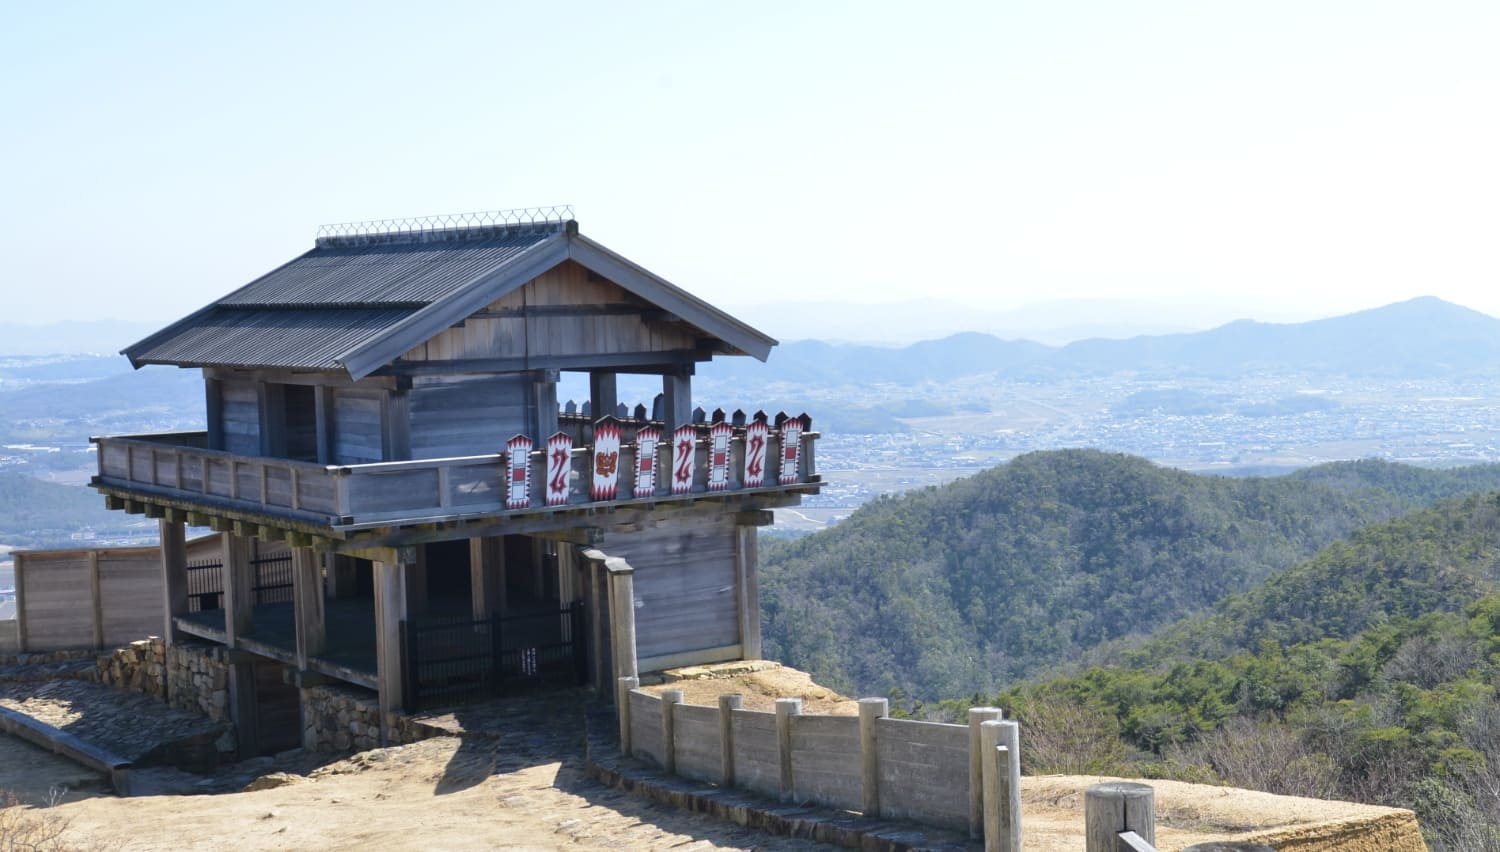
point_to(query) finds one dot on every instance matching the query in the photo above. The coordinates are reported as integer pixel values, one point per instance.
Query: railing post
(871, 711)
(999, 743)
(670, 698)
(623, 687)
(1115, 807)
(727, 705)
(786, 708)
(978, 716)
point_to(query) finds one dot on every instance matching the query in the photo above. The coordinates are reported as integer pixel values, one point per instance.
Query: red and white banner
(646, 440)
(684, 441)
(718, 455)
(755, 453)
(518, 490)
(791, 448)
(559, 468)
(606, 480)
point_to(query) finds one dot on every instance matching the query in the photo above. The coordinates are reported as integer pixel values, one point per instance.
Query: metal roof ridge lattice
(448, 226)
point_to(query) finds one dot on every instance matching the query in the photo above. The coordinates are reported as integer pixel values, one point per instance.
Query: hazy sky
(1287, 157)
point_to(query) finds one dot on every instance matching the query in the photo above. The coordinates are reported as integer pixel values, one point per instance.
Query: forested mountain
(946, 591)
(1368, 673)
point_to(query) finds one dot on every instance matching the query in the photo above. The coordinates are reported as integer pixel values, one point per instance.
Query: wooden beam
(113, 503)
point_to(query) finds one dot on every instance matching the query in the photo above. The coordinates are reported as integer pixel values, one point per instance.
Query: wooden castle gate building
(386, 405)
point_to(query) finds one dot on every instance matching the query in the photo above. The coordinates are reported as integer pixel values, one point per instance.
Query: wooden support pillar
(242, 707)
(239, 588)
(487, 575)
(604, 395)
(322, 422)
(677, 399)
(308, 606)
(173, 576)
(213, 393)
(747, 584)
(544, 391)
(390, 611)
(599, 647)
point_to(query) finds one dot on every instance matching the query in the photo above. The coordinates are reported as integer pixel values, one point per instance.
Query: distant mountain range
(1423, 337)
(98, 337)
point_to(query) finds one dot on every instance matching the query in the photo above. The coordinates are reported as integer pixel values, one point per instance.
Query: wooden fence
(964, 778)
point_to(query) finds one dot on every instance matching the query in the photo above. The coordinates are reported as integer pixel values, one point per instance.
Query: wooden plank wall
(10, 636)
(924, 769)
(608, 323)
(645, 727)
(357, 429)
(240, 416)
(685, 583)
(130, 598)
(696, 733)
(757, 752)
(55, 590)
(469, 416)
(826, 764)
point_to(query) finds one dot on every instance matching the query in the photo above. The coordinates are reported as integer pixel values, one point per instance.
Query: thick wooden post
(670, 698)
(487, 575)
(390, 611)
(416, 582)
(1000, 744)
(677, 400)
(622, 614)
(343, 576)
(623, 687)
(786, 708)
(871, 710)
(308, 607)
(599, 646)
(603, 396)
(239, 588)
(173, 576)
(1109, 809)
(978, 716)
(727, 705)
(747, 571)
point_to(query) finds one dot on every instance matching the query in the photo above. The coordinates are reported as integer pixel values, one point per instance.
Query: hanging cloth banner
(646, 440)
(606, 480)
(559, 467)
(791, 448)
(718, 455)
(518, 491)
(755, 453)
(684, 440)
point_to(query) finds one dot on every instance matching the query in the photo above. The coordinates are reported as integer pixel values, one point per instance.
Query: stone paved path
(130, 725)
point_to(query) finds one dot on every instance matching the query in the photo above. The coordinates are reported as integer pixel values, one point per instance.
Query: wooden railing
(548, 478)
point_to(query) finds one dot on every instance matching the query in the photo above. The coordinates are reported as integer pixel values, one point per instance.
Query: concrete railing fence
(963, 778)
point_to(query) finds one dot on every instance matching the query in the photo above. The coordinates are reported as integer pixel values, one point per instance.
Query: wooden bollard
(978, 716)
(1114, 807)
(870, 711)
(786, 708)
(670, 698)
(727, 705)
(623, 686)
(1000, 743)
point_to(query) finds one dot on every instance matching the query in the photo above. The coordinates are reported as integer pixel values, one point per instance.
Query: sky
(1270, 158)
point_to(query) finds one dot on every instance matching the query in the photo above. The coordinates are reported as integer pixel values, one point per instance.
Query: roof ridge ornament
(444, 226)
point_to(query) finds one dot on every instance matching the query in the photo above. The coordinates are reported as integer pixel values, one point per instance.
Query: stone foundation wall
(338, 718)
(198, 679)
(139, 667)
(46, 658)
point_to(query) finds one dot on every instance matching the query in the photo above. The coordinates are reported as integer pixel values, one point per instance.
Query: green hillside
(952, 590)
(1367, 673)
(37, 513)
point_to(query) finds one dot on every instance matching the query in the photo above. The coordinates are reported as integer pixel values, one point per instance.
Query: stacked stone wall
(198, 679)
(338, 718)
(139, 667)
